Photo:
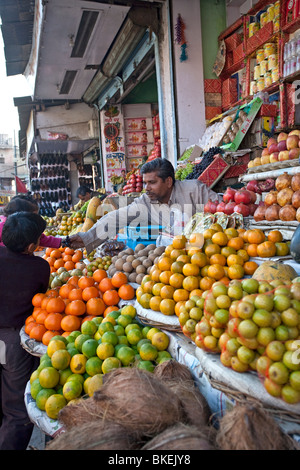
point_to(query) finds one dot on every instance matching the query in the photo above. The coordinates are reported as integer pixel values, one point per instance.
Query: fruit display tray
(273, 166)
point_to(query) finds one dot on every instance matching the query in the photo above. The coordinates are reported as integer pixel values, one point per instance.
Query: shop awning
(63, 146)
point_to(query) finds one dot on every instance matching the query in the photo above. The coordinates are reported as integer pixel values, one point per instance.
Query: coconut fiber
(179, 437)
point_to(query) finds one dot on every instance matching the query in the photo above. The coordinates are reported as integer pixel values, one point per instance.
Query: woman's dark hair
(20, 203)
(161, 166)
(82, 190)
(21, 229)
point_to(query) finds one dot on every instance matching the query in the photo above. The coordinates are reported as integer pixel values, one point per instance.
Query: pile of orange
(190, 267)
(62, 258)
(257, 244)
(62, 310)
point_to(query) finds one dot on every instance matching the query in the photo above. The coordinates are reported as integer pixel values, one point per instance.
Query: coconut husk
(138, 401)
(79, 413)
(93, 436)
(250, 427)
(179, 437)
(173, 370)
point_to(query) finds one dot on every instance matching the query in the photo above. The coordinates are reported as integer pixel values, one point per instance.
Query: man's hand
(76, 242)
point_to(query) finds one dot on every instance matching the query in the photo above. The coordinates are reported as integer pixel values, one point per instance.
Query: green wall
(144, 92)
(213, 22)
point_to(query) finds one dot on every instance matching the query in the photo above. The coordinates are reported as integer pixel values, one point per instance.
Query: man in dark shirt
(22, 276)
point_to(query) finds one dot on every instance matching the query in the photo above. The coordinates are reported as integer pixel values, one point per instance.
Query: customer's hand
(76, 242)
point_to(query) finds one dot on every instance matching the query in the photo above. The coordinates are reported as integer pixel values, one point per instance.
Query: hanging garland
(180, 38)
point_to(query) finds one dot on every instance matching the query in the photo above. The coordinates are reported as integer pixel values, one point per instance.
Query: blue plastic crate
(134, 235)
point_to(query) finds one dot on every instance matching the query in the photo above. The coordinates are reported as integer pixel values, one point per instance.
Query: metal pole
(15, 160)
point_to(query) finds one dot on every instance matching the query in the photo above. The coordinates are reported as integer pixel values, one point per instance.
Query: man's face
(156, 188)
(85, 198)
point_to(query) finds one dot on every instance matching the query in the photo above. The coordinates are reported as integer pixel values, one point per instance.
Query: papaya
(88, 223)
(91, 210)
(271, 270)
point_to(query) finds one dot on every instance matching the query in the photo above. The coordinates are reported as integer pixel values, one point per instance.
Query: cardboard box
(212, 85)
(229, 92)
(251, 109)
(214, 172)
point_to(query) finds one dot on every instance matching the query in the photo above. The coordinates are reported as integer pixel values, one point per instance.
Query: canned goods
(268, 79)
(276, 24)
(264, 18)
(261, 83)
(253, 27)
(271, 12)
(277, 9)
(260, 55)
(269, 49)
(253, 87)
(257, 72)
(272, 61)
(263, 67)
(275, 75)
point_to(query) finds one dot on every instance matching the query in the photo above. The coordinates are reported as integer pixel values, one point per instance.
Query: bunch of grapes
(182, 173)
(206, 160)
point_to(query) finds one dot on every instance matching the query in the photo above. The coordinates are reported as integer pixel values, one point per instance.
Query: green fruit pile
(74, 365)
(254, 326)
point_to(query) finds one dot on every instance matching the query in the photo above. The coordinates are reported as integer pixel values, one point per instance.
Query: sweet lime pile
(73, 366)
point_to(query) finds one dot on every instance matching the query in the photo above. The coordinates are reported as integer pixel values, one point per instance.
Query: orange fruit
(275, 236)
(231, 232)
(111, 297)
(75, 307)
(126, 292)
(155, 273)
(95, 306)
(167, 306)
(65, 290)
(252, 249)
(190, 269)
(99, 274)
(236, 271)
(200, 259)
(256, 236)
(177, 267)
(90, 293)
(220, 238)
(29, 326)
(212, 249)
(70, 323)
(243, 253)
(166, 292)
(110, 308)
(29, 319)
(180, 295)
(55, 304)
(250, 267)
(37, 299)
(105, 284)
(236, 242)
(164, 276)
(165, 263)
(206, 283)
(216, 271)
(218, 259)
(69, 265)
(85, 281)
(176, 280)
(75, 294)
(56, 253)
(53, 321)
(37, 331)
(73, 280)
(235, 259)
(179, 242)
(190, 283)
(40, 318)
(77, 256)
(48, 335)
(266, 249)
(69, 251)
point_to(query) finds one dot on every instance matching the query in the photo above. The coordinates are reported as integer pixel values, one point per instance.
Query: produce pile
(134, 183)
(254, 326)
(285, 147)
(135, 263)
(206, 160)
(74, 365)
(283, 202)
(61, 310)
(189, 267)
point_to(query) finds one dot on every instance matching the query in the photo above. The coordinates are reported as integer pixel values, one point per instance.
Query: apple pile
(241, 201)
(282, 203)
(285, 147)
(254, 326)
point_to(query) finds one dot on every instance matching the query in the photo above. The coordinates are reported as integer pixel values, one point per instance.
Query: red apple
(294, 153)
(281, 145)
(273, 148)
(270, 142)
(292, 142)
(282, 136)
(284, 155)
(274, 157)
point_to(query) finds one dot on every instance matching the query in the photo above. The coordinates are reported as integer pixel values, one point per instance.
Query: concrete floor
(37, 441)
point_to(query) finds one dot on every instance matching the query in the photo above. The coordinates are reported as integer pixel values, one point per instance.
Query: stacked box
(213, 99)
(212, 85)
(259, 38)
(214, 172)
(229, 92)
(233, 41)
(239, 168)
(238, 53)
(269, 110)
(212, 111)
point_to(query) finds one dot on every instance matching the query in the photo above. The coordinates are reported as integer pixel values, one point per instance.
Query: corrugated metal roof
(17, 17)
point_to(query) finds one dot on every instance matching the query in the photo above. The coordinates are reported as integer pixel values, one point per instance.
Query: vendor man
(166, 202)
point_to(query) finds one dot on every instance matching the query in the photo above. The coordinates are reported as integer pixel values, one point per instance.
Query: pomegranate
(259, 214)
(243, 209)
(221, 206)
(253, 197)
(253, 186)
(296, 199)
(229, 208)
(285, 196)
(272, 212)
(295, 183)
(287, 213)
(298, 215)
(242, 196)
(283, 181)
(210, 207)
(228, 196)
(271, 198)
(252, 208)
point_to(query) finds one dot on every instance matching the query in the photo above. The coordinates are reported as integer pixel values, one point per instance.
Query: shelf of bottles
(50, 183)
(291, 56)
